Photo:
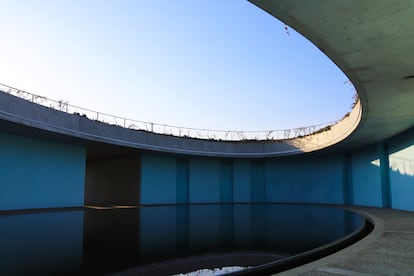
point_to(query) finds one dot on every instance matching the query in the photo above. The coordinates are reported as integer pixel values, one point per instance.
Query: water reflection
(163, 239)
(41, 243)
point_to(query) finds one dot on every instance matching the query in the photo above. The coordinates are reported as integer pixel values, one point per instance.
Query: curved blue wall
(40, 174)
(310, 178)
(44, 174)
(379, 175)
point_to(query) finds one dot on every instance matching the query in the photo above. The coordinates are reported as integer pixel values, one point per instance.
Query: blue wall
(158, 179)
(182, 181)
(204, 180)
(366, 177)
(311, 179)
(170, 180)
(380, 175)
(314, 178)
(401, 171)
(40, 174)
(241, 178)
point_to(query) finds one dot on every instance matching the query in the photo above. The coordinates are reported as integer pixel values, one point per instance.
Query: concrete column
(385, 175)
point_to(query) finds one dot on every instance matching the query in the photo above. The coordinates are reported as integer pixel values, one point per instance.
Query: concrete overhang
(22, 117)
(370, 40)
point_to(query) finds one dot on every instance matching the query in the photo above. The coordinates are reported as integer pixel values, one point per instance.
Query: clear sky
(205, 64)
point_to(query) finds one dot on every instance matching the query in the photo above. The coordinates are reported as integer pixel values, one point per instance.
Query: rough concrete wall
(40, 174)
(112, 181)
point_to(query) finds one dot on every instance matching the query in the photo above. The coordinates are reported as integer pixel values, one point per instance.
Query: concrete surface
(18, 116)
(388, 250)
(371, 42)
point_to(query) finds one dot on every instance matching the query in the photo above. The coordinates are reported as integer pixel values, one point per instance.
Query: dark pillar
(348, 181)
(226, 181)
(182, 181)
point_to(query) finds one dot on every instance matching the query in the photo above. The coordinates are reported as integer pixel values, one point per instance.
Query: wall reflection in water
(156, 239)
(41, 243)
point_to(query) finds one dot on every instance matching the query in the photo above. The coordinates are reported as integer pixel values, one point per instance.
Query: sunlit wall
(401, 171)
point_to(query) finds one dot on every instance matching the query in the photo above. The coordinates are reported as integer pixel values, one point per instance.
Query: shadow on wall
(401, 171)
(402, 162)
(401, 166)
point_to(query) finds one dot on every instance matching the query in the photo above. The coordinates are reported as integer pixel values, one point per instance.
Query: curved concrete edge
(25, 113)
(176, 266)
(334, 134)
(370, 41)
(290, 264)
(323, 265)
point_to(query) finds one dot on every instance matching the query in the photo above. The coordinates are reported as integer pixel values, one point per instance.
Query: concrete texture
(371, 42)
(388, 250)
(22, 117)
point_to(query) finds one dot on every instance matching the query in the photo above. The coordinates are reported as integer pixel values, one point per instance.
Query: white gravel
(214, 271)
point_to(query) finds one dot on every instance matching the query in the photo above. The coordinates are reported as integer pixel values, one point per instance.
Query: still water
(164, 239)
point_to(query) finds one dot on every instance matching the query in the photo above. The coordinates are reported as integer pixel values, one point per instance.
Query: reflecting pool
(164, 240)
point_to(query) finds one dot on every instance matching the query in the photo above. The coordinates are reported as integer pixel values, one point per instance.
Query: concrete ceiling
(372, 41)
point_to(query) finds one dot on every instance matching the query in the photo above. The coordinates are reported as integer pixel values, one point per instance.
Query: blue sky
(205, 64)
